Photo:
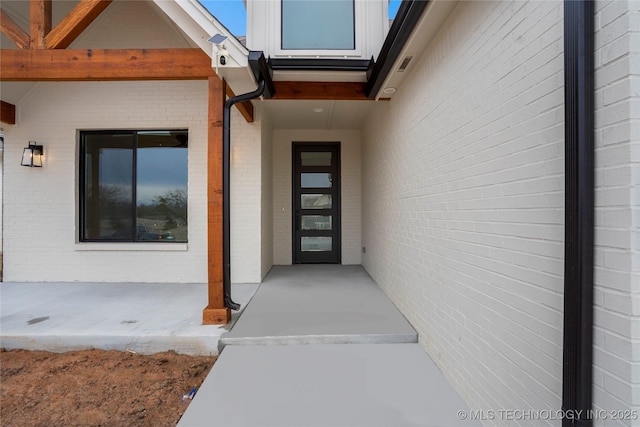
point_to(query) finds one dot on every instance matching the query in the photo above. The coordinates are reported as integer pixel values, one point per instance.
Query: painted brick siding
(351, 189)
(44, 225)
(617, 215)
(463, 202)
(246, 199)
(40, 205)
(266, 210)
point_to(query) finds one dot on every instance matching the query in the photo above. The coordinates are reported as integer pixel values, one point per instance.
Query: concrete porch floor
(142, 317)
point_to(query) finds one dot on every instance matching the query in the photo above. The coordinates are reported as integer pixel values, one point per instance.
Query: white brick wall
(617, 216)
(463, 203)
(44, 226)
(351, 188)
(267, 199)
(246, 199)
(40, 205)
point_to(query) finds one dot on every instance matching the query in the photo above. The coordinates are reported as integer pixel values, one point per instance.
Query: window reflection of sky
(173, 164)
(115, 169)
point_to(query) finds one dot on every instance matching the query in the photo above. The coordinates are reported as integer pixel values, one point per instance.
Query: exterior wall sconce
(32, 155)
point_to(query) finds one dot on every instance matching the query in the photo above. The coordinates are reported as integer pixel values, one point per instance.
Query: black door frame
(335, 256)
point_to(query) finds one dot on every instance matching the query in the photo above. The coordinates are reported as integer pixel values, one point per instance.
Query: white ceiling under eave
(317, 114)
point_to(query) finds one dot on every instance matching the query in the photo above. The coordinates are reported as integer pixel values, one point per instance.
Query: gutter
(259, 69)
(579, 50)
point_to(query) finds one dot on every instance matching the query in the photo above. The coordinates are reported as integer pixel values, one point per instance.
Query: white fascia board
(200, 25)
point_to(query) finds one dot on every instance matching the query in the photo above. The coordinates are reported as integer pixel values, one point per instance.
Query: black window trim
(83, 182)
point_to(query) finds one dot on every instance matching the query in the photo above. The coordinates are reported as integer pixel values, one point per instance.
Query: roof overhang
(415, 25)
(416, 22)
(199, 24)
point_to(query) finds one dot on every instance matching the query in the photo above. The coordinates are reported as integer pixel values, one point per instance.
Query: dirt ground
(97, 388)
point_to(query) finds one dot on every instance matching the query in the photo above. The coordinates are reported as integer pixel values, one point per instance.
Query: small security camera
(223, 60)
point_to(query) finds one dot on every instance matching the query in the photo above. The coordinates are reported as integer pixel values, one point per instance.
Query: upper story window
(318, 25)
(133, 186)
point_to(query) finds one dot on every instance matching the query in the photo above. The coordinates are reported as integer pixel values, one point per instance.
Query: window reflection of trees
(166, 213)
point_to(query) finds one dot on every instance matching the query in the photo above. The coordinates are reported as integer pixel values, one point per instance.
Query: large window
(133, 186)
(318, 25)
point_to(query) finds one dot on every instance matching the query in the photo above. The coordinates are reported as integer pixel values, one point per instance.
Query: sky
(232, 13)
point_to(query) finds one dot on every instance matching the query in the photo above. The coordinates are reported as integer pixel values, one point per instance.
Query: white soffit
(427, 28)
(315, 114)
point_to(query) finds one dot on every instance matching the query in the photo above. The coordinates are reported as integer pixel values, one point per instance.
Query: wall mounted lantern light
(32, 155)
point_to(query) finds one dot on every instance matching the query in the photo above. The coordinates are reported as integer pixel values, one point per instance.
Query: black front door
(316, 202)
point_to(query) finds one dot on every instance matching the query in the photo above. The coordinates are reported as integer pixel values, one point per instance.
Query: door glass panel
(315, 244)
(315, 201)
(315, 180)
(315, 158)
(316, 222)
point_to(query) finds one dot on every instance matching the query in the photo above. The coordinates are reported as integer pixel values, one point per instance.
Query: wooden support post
(215, 313)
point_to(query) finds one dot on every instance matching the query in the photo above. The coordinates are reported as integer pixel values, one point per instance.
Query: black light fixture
(32, 155)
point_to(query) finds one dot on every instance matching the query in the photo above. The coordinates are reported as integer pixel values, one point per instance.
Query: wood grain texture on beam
(319, 90)
(215, 312)
(104, 64)
(245, 108)
(39, 22)
(13, 31)
(75, 23)
(7, 113)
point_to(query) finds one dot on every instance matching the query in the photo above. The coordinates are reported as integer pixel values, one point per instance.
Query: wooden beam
(245, 108)
(104, 64)
(215, 312)
(75, 23)
(319, 90)
(13, 31)
(7, 113)
(40, 22)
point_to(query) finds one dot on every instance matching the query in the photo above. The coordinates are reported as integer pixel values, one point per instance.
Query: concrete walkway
(143, 317)
(321, 345)
(324, 385)
(313, 304)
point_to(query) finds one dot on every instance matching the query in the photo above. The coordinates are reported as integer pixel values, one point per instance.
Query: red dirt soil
(97, 388)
